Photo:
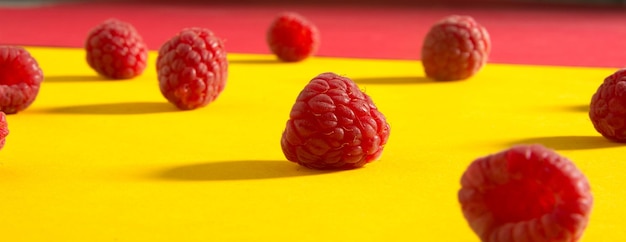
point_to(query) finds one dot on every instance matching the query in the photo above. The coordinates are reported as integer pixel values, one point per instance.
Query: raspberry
(20, 79)
(525, 193)
(192, 68)
(333, 125)
(292, 38)
(4, 129)
(607, 110)
(115, 50)
(455, 48)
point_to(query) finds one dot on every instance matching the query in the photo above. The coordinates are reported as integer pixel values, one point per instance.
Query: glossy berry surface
(334, 125)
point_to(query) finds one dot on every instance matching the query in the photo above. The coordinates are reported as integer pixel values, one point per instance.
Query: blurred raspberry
(292, 38)
(115, 50)
(455, 48)
(525, 193)
(607, 110)
(334, 125)
(4, 129)
(192, 68)
(20, 79)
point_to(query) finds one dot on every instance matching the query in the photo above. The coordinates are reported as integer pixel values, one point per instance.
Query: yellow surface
(94, 160)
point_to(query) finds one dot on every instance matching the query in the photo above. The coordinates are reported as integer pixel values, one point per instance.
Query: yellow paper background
(96, 160)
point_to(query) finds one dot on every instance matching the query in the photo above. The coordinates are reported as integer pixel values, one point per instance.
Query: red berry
(292, 38)
(115, 50)
(4, 129)
(455, 48)
(524, 194)
(20, 79)
(192, 68)
(333, 125)
(607, 110)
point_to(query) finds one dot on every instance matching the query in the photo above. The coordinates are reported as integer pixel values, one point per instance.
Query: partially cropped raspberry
(455, 48)
(525, 193)
(192, 68)
(334, 125)
(607, 110)
(115, 50)
(20, 79)
(292, 38)
(4, 129)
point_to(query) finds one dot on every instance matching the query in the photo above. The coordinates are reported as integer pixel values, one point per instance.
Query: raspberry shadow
(395, 80)
(66, 79)
(255, 61)
(584, 108)
(573, 108)
(236, 170)
(122, 108)
(569, 142)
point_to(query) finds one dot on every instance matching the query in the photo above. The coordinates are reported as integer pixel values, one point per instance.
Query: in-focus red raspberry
(192, 68)
(20, 79)
(525, 193)
(292, 38)
(455, 48)
(334, 125)
(607, 110)
(115, 50)
(4, 129)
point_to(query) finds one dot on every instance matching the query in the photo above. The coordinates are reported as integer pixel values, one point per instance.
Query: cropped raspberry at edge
(334, 125)
(20, 79)
(292, 38)
(455, 48)
(526, 193)
(116, 50)
(192, 68)
(607, 109)
(4, 129)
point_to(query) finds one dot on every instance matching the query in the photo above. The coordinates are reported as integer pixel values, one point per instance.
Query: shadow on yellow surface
(577, 108)
(236, 170)
(570, 142)
(116, 108)
(255, 61)
(73, 78)
(394, 80)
